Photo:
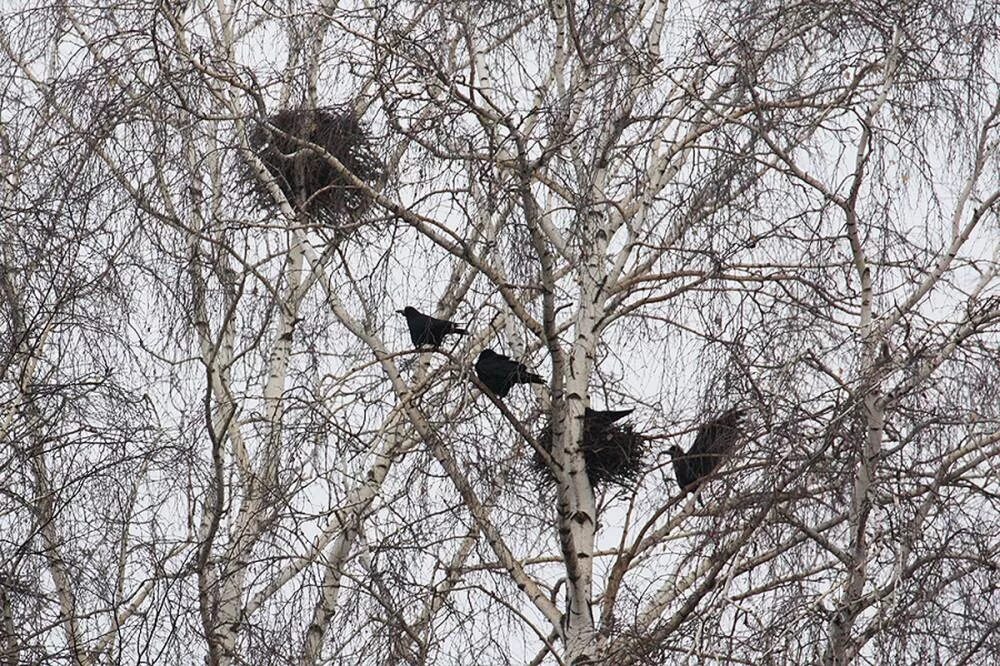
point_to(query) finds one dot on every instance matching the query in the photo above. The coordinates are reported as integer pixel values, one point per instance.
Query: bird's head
(408, 311)
(488, 353)
(675, 452)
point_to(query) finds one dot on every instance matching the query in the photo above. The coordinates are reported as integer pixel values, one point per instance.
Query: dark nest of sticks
(308, 180)
(613, 454)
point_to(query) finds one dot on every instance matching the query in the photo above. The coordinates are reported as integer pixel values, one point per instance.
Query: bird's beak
(400, 312)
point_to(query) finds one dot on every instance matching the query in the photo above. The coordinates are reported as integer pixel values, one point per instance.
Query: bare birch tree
(219, 444)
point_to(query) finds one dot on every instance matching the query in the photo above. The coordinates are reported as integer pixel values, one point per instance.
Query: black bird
(598, 418)
(714, 441)
(500, 373)
(426, 330)
(597, 430)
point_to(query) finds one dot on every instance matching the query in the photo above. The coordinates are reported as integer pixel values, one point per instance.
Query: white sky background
(660, 369)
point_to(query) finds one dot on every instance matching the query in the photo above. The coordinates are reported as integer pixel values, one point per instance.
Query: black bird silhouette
(597, 431)
(426, 330)
(500, 373)
(714, 441)
(597, 424)
(599, 418)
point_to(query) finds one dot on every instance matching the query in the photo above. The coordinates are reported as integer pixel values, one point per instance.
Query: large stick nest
(310, 182)
(613, 453)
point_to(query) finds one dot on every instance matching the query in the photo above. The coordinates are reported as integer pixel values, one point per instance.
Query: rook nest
(613, 454)
(308, 180)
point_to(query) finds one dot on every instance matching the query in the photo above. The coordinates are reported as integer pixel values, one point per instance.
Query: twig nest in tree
(296, 145)
(613, 453)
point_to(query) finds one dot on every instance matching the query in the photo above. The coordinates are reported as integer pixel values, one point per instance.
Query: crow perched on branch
(714, 441)
(426, 330)
(500, 373)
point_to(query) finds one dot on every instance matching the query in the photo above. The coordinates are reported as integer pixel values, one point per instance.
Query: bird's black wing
(427, 330)
(717, 437)
(714, 441)
(419, 325)
(496, 372)
(443, 326)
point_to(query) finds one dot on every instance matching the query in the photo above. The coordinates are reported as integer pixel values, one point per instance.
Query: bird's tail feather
(532, 378)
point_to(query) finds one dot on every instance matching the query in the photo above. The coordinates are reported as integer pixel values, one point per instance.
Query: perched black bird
(500, 373)
(597, 418)
(426, 330)
(714, 441)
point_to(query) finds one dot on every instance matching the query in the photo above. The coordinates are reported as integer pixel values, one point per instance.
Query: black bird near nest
(500, 373)
(714, 441)
(426, 330)
(594, 419)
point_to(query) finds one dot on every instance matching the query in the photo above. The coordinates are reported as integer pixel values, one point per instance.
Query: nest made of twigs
(613, 454)
(310, 182)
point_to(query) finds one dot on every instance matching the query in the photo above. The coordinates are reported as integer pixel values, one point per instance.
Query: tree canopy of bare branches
(219, 445)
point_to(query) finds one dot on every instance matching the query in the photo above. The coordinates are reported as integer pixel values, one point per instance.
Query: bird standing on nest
(602, 418)
(426, 330)
(714, 441)
(613, 453)
(500, 373)
(597, 424)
